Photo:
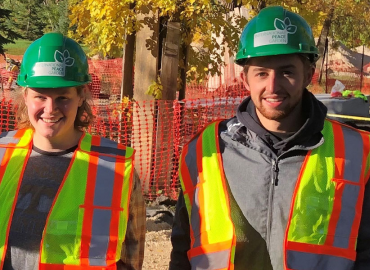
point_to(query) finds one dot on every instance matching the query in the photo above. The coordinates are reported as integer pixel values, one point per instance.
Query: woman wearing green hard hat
(68, 199)
(278, 186)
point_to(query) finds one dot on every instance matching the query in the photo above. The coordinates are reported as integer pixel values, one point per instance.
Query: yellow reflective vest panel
(87, 222)
(325, 210)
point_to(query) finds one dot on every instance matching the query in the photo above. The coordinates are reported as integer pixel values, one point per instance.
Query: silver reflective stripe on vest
(353, 155)
(347, 215)
(188, 158)
(2, 152)
(352, 172)
(195, 215)
(195, 219)
(8, 137)
(102, 198)
(211, 261)
(108, 150)
(99, 237)
(108, 147)
(308, 261)
(104, 181)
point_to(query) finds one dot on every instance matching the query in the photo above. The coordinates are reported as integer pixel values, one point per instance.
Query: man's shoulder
(223, 126)
(352, 125)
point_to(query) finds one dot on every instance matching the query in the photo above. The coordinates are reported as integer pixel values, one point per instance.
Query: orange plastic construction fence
(158, 130)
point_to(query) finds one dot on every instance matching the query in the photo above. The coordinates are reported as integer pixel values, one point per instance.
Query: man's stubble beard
(276, 115)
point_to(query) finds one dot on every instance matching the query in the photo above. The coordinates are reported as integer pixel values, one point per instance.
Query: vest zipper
(274, 182)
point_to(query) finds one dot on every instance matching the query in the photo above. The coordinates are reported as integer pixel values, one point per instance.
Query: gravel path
(157, 245)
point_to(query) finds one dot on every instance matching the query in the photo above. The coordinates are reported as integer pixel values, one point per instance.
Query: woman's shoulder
(107, 146)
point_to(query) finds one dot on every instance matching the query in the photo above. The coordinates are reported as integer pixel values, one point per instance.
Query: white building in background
(230, 73)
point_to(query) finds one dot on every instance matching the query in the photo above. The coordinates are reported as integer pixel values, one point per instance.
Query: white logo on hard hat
(278, 36)
(57, 68)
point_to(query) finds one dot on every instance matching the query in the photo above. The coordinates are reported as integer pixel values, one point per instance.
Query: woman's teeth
(50, 120)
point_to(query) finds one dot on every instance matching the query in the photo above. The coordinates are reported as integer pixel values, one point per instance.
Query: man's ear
(243, 76)
(309, 75)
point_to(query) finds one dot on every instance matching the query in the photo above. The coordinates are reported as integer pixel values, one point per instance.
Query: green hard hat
(276, 31)
(54, 61)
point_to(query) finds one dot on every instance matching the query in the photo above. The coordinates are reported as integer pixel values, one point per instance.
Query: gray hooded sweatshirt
(261, 169)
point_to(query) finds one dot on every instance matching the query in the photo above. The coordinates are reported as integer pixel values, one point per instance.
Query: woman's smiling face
(52, 111)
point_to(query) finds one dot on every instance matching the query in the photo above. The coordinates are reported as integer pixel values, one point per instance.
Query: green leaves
(7, 35)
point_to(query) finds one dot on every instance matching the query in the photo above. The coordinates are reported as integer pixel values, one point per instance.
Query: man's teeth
(274, 99)
(50, 120)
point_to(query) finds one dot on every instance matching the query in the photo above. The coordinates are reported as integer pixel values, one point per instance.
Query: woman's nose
(50, 106)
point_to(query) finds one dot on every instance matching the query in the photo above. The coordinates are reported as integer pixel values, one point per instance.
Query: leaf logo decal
(64, 58)
(59, 57)
(285, 25)
(279, 24)
(291, 29)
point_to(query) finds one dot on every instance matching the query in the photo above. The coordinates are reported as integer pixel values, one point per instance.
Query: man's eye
(262, 74)
(287, 73)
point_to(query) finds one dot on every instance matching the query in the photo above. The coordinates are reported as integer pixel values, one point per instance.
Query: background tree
(342, 20)
(33, 18)
(27, 18)
(6, 34)
(103, 24)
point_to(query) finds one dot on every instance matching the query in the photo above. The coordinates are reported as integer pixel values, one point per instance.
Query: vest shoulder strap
(16, 138)
(100, 145)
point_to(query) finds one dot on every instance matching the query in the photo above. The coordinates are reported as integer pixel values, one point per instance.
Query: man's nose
(273, 82)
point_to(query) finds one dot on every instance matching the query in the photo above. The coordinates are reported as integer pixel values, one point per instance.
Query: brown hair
(83, 119)
(307, 63)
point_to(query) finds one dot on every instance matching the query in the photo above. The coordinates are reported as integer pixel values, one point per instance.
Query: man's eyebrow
(280, 67)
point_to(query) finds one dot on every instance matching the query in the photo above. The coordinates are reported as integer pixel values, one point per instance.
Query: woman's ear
(24, 95)
(82, 96)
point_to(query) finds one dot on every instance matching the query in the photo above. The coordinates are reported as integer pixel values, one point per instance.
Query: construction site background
(158, 129)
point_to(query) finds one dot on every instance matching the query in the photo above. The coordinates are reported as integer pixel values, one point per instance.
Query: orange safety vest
(325, 211)
(87, 222)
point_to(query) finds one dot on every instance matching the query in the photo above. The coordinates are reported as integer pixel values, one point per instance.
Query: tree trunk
(185, 53)
(261, 4)
(127, 87)
(362, 66)
(322, 39)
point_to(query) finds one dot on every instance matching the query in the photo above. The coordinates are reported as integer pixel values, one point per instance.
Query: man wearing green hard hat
(68, 199)
(279, 186)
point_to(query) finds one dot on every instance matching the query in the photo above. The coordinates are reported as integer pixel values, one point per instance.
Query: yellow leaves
(102, 24)
(155, 89)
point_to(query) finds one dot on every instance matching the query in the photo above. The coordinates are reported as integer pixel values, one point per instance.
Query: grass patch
(17, 48)
(20, 46)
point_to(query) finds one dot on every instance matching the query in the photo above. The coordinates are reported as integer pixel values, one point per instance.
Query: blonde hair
(84, 116)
